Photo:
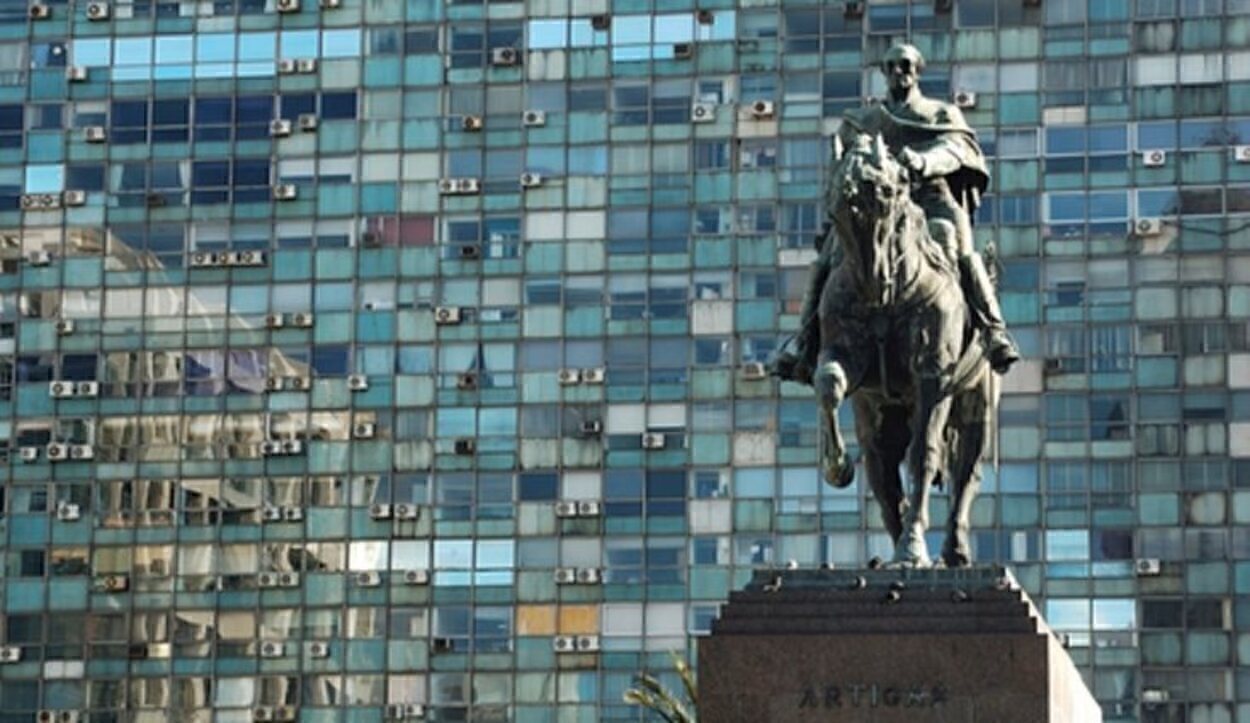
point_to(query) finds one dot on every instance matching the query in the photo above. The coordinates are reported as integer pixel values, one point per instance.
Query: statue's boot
(800, 365)
(984, 301)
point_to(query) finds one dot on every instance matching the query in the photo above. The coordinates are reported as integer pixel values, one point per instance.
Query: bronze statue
(901, 316)
(932, 139)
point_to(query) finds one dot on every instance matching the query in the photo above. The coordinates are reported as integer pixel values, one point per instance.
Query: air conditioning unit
(357, 382)
(469, 252)
(371, 239)
(564, 644)
(1147, 567)
(288, 579)
(565, 576)
(705, 17)
(81, 452)
(267, 580)
(447, 315)
(250, 258)
(416, 577)
(531, 180)
(318, 649)
(589, 576)
(471, 123)
(465, 446)
(285, 192)
(369, 578)
(1241, 154)
(459, 186)
(74, 198)
(287, 66)
(652, 440)
(593, 375)
(203, 260)
(331, 4)
(292, 446)
(965, 99)
(58, 716)
(28, 454)
(287, 6)
(405, 711)
(303, 319)
(1148, 227)
(1155, 696)
(587, 643)
(60, 390)
(569, 377)
(271, 513)
(291, 513)
(703, 113)
(754, 371)
(763, 109)
(566, 509)
(683, 51)
(589, 508)
(503, 57)
(57, 452)
(405, 511)
(10, 654)
(41, 201)
(64, 327)
(68, 512)
(272, 649)
(280, 128)
(1154, 159)
(274, 384)
(364, 430)
(466, 381)
(380, 511)
(76, 74)
(306, 66)
(601, 22)
(87, 389)
(534, 118)
(95, 134)
(308, 122)
(38, 11)
(299, 384)
(591, 427)
(39, 258)
(263, 713)
(113, 583)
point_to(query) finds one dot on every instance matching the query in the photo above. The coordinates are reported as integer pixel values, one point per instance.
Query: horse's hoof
(842, 475)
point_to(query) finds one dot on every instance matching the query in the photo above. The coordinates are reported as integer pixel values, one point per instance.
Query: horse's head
(871, 185)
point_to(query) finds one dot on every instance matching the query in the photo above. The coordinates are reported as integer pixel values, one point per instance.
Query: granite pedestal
(887, 646)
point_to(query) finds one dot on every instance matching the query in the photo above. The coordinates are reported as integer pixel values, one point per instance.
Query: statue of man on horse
(931, 138)
(901, 317)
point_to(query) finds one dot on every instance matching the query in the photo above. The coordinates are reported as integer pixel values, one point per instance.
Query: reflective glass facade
(378, 359)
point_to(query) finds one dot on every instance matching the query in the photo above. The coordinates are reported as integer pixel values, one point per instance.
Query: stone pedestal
(886, 646)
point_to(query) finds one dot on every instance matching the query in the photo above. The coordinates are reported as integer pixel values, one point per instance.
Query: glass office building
(375, 360)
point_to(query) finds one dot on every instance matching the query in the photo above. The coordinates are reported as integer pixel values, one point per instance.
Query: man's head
(902, 65)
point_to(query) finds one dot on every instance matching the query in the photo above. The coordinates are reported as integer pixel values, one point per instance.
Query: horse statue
(897, 338)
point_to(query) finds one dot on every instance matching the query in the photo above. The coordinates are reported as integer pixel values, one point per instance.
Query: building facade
(381, 360)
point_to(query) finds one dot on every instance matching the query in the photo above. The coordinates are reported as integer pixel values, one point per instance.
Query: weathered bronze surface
(901, 317)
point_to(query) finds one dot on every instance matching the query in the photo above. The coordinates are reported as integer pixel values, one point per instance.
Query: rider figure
(932, 140)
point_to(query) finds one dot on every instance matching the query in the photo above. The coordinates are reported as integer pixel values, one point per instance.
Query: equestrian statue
(901, 315)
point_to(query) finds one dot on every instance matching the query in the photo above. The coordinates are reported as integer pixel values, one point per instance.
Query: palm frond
(648, 692)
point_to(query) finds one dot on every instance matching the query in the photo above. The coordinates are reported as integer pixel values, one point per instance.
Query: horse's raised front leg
(831, 386)
(924, 465)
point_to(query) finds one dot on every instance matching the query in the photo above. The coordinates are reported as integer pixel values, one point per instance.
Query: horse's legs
(831, 386)
(883, 437)
(970, 412)
(924, 465)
